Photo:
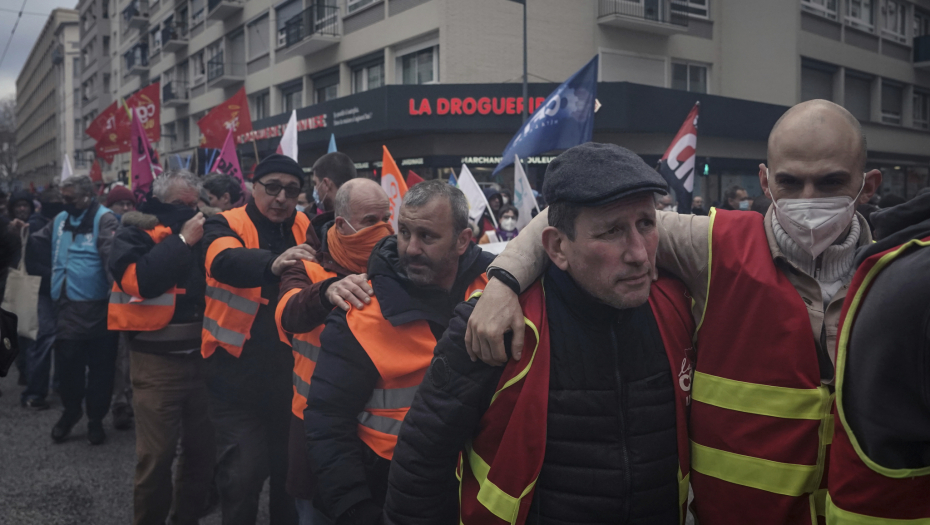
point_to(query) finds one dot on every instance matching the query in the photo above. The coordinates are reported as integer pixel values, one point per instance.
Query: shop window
(420, 67)
(258, 37)
(816, 80)
(859, 13)
(921, 110)
(689, 77)
(367, 77)
(825, 8)
(892, 101)
(291, 96)
(260, 106)
(858, 99)
(894, 20)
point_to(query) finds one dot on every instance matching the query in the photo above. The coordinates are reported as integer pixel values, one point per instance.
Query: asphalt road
(73, 483)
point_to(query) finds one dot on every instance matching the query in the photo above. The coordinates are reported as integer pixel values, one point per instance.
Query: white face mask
(508, 225)
(815, 223)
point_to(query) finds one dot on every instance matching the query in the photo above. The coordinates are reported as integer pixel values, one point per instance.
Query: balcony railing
(922, 51)
(175, 92)
(137, 59)
(173, 37)
(655, 11)
(136, 13)
(222, 9)
(318, 19)
(223, 73)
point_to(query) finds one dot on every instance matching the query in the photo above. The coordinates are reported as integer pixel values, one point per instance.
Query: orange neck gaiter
(352, 251)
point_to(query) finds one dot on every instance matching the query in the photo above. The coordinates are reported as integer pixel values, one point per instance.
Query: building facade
(331, 58)
(97, 90)
(46, 94)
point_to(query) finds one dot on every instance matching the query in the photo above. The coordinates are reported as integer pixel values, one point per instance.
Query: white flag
(66, 170)
(523, 199)
(477, 202)
(288, 144)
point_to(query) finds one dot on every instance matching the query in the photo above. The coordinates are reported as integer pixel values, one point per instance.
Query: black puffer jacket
(611, 447)
(352, 479)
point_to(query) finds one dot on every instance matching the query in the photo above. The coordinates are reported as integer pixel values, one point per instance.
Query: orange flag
(393, 184)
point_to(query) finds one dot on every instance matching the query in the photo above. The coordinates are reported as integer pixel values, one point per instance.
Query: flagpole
(255, 149)
(525, 100)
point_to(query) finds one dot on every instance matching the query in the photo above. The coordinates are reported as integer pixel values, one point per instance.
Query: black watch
(505, 277)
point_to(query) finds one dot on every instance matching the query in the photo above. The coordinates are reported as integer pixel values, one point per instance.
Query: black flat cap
(594, 174)
(278, 163)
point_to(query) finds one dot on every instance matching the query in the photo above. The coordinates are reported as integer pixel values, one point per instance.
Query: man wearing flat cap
(248, 367)
(590, 426)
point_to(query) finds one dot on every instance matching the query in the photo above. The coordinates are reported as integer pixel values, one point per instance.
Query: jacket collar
(86, 219)
(585, 307)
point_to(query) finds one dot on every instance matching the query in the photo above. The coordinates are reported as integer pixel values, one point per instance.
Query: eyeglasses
(273, 189)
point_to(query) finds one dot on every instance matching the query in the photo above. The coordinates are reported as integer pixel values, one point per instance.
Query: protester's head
(330, 172)
(120, 200)
(664, 202)
(21, 205)
(223, 190)
(280, 179)
(697, 203)
(816, 155)
(432, 233)
(360, 204)
(51, 203)
(737, 198)
(507, 217)
(77, 192)
(495, 201)
(303, 202)
(178, 188)
(602, 221)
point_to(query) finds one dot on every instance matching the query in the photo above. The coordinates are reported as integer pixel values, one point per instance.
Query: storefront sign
(304, 124)
(472, 105)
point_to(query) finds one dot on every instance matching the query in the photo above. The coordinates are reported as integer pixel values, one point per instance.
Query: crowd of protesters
(621, 361)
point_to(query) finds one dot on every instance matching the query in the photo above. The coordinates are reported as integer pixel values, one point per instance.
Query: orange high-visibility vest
(305, 346)
(862, 492)
(761, 421)
(230, 311)
(499, 468)
(401, 354)
(128, 311)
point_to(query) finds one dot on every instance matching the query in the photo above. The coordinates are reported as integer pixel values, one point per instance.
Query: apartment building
(47, 122)
(438, 81)
(96, 70)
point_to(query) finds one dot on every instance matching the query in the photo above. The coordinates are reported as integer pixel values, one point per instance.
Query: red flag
(146, 101)
(413, 179)
(96, 174)
(677, 165)
(228, 162)
(145, 166)
(393, 184)
(111, 131)
(232, 115)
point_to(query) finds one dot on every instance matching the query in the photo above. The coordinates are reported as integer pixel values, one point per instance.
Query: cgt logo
(146, 110)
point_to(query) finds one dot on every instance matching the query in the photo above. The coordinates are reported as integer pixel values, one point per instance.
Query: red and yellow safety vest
(863, 492)
(230, 311)
(761, 420)
(128, 311)
(499, 468)
(305, 346)
(401, 354)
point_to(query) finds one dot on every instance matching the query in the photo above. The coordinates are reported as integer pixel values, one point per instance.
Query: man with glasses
(248, 367)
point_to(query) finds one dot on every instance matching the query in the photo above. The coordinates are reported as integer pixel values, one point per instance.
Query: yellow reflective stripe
(828, 424)
(492, 497)
(753, 398)
(787, 479)
(818, 504)
(843, 343)
(711, 215)
(510, 382)
(683, 485)
(838, 516)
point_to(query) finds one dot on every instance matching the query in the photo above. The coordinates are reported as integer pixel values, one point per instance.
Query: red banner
(111, 129)
(233, 114)
(146, 100)
(96, 174)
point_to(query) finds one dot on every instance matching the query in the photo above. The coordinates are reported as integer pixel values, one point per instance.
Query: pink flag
(288, 145)
(228, 162)
(145, 166)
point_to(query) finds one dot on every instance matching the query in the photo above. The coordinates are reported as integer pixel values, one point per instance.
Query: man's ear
(873, 180)
(464, 238)
(226, 199)
(555, 243)
(764, 180)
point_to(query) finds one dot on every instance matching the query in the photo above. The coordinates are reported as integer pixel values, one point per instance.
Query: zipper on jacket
(818, 266)
(624, 447)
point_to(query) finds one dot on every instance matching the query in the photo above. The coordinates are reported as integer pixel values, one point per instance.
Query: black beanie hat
(278, 163)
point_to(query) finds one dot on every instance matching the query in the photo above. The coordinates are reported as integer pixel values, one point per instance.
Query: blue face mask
(316, 196)
(744, 205)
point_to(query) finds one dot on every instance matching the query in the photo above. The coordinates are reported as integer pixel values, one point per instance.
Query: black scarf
(171, 215)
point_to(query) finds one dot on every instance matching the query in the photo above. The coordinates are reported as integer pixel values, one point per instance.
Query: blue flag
(452, 179)
(332, 143)
(564, 120)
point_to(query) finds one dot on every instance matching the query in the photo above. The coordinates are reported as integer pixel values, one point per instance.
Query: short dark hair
(562, 216)
(507, 207)
(421, 194)
(730, 193)
(219, 183)
(335, 166)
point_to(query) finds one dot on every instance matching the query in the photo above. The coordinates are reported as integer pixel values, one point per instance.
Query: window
(420, 67)
(326, 86)
(816, 80)
(285, 13)
(197, 67)
(105, 8)
(106, 82)
(106, 45)
(155, 34)
(858, 99)
(694, 8)
(291, 96)
(689, 77)
(258, 37)
(355, 5)
(196, 12)
(894, 22)
(892, 101)
(183, 131)
(367, 77)
(859, 13)
(921, 110)
(825, 8)
(260, 106)
(921, 23)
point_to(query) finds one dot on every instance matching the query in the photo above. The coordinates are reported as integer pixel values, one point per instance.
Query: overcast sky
(34, 17)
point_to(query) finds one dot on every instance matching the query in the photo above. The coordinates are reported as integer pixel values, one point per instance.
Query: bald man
(767, 294)
(310, 291)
